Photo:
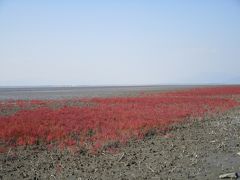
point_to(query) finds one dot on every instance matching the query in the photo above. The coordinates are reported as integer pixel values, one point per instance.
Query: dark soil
(197, 149)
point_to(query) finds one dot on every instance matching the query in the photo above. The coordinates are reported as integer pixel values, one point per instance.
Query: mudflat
(198, 148)
(81, 92)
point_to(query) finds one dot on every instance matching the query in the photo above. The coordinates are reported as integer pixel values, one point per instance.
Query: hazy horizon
(111, 43)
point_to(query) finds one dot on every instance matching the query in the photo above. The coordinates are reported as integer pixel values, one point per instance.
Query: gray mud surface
(81, 92)
(197, 149)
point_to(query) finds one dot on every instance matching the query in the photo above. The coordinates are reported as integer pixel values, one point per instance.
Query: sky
(119, 42)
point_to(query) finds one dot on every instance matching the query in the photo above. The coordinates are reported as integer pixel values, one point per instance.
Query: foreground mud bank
(194, 150)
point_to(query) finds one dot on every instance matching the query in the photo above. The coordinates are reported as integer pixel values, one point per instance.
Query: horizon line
(121, 85)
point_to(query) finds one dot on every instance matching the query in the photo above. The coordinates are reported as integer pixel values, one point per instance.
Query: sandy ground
(198, 149)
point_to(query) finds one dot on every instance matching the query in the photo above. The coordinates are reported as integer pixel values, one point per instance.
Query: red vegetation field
(92, 123)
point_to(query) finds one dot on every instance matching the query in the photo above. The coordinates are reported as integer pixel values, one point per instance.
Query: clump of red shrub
(107, 119)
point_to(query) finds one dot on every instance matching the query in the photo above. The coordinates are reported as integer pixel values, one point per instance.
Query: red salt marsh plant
(115, 119)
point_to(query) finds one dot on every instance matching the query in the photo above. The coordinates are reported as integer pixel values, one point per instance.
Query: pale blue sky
(116, 42)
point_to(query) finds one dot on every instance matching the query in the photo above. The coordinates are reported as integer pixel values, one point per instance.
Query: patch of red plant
(115, 119)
